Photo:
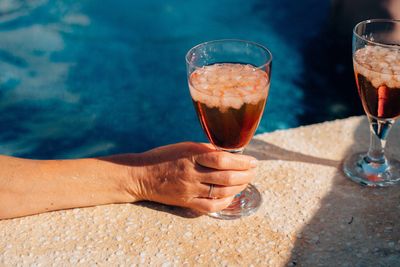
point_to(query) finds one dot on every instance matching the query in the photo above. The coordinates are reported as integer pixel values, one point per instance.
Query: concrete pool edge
(311, 214)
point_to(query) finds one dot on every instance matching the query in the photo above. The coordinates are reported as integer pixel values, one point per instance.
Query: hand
(181, 175)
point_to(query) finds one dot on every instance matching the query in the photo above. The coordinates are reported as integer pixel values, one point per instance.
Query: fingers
(211, 205)
(221, 191)
(228, 178)
(221, 160)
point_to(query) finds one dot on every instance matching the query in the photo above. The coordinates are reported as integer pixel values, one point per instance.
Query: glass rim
(230, 40)
(368, 21)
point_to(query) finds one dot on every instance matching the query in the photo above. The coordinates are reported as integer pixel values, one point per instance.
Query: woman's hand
(178, 175)
(181, 175)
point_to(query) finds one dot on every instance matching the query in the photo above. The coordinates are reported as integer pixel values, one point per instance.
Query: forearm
(32, 186)
(179, 174)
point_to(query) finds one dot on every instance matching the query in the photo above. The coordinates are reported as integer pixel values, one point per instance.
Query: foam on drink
(228, 85)
(377, 71)
(380, 65)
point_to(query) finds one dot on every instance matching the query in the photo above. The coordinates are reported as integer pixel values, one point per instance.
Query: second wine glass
(376, 58)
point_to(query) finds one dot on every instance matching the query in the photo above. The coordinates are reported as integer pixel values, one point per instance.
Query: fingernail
(253, 163)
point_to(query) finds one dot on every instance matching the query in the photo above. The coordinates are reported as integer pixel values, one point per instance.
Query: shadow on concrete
(267, 151)
(355, 226)
(177, 211)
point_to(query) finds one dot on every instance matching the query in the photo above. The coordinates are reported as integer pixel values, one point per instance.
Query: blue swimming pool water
(83, 78)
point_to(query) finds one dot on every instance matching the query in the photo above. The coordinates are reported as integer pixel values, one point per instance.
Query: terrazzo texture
(311, 216)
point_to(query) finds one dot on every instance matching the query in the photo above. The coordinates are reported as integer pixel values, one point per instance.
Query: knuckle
(219, 160)
(228, 178)
(223, 192)
(194, 148)
(187, 170)
(190, 144)
(189, 148)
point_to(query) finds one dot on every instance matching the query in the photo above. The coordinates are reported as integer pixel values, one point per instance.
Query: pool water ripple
(79, 78)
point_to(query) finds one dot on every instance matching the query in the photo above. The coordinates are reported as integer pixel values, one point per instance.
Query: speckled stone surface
(311, 216)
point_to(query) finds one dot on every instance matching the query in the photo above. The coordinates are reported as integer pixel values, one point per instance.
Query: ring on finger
(211, 191)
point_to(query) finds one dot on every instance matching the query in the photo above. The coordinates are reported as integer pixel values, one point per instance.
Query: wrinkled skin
(181, 175)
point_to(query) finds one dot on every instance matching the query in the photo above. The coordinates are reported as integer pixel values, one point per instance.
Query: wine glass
(376, 61)
(229, 83)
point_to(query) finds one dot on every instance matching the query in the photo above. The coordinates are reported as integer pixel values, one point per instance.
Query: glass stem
(379, 129)
(236, 200)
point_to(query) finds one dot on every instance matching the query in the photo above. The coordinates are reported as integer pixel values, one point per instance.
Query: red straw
(383, 96)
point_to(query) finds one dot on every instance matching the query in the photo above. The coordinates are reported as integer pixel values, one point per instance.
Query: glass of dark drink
(229, 83)
(376, 60)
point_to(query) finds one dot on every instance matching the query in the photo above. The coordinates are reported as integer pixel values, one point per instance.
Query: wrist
(117, 173)
(131, 178)
(135, 184)
(141, 177)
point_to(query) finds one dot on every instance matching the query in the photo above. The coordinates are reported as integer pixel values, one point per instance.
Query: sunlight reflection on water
(81, 79)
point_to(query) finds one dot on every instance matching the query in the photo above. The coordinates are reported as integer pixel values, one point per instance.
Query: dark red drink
(229, 100)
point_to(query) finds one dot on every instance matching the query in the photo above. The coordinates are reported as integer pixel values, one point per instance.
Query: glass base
(244, 204)
(361, 171)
